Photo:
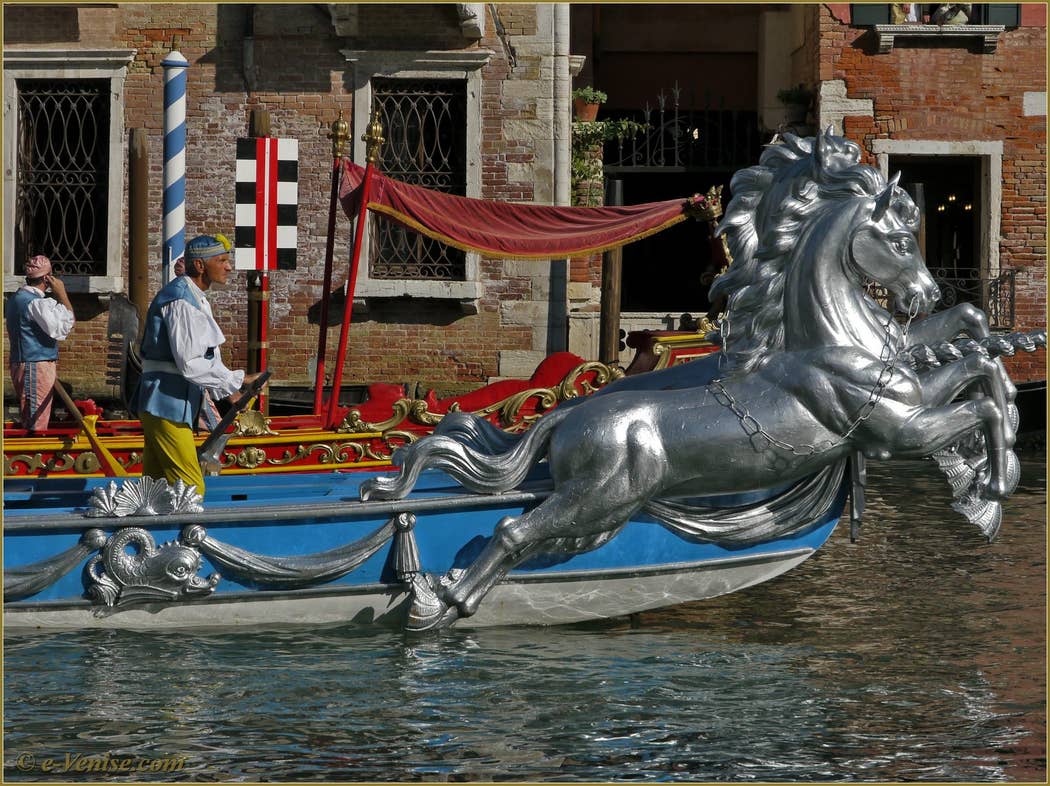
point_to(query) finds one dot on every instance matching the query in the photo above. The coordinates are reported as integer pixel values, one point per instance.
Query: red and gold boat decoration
(365, 438)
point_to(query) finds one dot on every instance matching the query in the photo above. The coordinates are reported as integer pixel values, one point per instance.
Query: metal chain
(887, 355)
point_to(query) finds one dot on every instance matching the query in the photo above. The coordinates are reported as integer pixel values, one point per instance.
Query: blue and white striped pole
(174, 203)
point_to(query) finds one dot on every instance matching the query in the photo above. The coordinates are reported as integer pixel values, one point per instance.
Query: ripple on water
(915, 654)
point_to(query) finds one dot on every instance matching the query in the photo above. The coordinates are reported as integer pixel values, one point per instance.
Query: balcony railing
(711, 138)
(993, 295)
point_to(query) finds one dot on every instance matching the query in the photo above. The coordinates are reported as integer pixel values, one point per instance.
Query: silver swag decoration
(130, 568)
(152, 573)
(812, 370)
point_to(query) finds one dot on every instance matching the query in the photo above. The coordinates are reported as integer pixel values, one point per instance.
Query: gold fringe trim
(408, 221)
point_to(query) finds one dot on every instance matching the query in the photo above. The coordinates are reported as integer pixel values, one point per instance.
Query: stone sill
(466, 292)
(76, 284)
(886, 35)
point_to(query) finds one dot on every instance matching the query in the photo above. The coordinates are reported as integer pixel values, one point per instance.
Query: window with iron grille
(424, 123)
(62, 191)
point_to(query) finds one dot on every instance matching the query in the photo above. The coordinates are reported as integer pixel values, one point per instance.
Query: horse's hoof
(986, 515)
(443, 620)
(427, 611)
(1013, 473)
(999, 489)
(1013, 417)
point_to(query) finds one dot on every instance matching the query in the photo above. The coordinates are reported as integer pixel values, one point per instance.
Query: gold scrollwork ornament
(252, 423)
(86, 463)
(250, 457)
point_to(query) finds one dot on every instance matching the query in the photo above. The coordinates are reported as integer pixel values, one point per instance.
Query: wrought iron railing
(712, 138)
(994, 295)
(425, 128)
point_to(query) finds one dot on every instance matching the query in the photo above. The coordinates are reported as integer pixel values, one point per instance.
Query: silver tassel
(406, 553)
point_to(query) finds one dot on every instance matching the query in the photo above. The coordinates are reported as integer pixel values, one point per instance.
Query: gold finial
(340, 136)
(714, 197)
(374, 138)
(707, 207)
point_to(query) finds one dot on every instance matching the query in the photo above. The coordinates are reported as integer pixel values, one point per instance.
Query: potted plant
(588, 138)
(585, 101)
(796, 101)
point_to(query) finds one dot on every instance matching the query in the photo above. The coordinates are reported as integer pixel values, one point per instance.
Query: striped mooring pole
(174, 202)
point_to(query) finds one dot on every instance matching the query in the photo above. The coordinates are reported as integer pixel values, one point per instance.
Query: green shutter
(1008, 14)
(862, 14)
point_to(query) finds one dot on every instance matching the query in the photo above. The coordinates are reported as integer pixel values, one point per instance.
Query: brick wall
(303, 81)
(40, 25)
(950, 91)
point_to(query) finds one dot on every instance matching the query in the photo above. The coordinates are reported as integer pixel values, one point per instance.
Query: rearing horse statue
(810, 371)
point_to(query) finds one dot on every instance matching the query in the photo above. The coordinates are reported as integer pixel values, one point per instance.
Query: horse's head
(806, 226)
(883, 248)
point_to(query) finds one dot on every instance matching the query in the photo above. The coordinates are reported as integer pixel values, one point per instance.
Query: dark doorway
(947, 191)
(663, 272)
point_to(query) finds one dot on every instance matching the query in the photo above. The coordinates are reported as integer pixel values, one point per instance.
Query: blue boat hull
(285, 522)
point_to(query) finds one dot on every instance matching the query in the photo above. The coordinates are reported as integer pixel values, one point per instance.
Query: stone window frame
(69, 64)
(465, 65)
(994, 19)
(990, 155)
(987, 36)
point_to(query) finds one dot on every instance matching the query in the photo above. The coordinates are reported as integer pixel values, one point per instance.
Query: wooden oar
(105, 458)
(211, 449)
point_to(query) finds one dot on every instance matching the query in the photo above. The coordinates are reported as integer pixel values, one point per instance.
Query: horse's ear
(885, 199)
(823, 148)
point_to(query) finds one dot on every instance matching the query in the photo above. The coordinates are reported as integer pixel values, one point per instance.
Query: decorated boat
(364, 436)
(334, 435)
(663, 487)
(301, 549)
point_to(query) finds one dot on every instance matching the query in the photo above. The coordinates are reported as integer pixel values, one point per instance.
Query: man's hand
(233, 398)
(249, 379)
(58, 289)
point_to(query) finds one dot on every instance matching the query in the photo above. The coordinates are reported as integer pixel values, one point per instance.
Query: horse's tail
(478, 470)
(476, 433)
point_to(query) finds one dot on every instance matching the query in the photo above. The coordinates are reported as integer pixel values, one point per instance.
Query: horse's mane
(794, 183)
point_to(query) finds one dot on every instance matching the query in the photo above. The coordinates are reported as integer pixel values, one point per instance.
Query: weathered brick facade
(288, 60)
(292, 61)
(948, 90)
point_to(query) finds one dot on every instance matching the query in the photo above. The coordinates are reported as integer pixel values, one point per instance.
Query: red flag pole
(339, 136)
(374, 139)
(264, 336)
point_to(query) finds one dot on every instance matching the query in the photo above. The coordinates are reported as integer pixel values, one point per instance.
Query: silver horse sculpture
(811, 370)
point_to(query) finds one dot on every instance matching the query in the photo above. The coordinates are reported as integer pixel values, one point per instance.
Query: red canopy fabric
(510, 229)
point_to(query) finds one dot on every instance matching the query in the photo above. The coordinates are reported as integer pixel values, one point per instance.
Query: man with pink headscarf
(35, 325)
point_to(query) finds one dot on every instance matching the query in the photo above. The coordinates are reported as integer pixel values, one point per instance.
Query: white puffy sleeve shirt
(191, 332)
(53, 318)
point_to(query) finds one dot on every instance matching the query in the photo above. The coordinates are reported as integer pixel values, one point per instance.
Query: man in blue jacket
(35, 325)
(180, 361)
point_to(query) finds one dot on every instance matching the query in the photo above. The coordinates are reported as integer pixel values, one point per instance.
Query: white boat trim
(522, 599)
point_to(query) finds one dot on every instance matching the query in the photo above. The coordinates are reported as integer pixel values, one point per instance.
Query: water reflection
(915, 654)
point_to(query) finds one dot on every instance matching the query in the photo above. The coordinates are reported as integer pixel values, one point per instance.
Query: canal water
(917, 653)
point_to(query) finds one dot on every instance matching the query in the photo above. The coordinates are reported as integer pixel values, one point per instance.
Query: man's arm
(191, 333)
(55, 317)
